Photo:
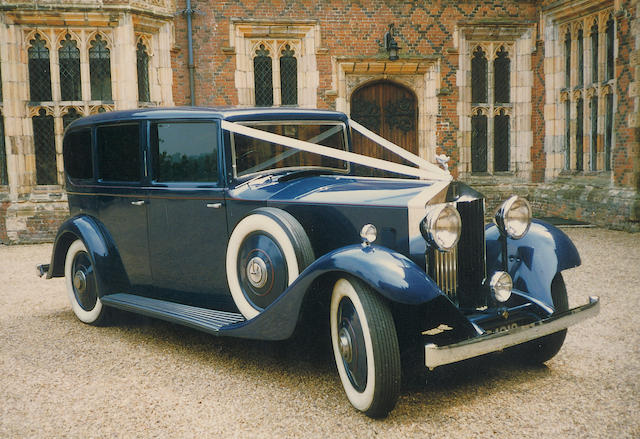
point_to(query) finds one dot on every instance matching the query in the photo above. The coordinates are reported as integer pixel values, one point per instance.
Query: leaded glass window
(609, 49)
(579, 134)
(4, 178)
(289, 77)
(567, 133)
(567, 60)
(142, 58)
(594, 52)
(69, 59)
(263, 76)
(479, 143)
(39, 70)
(501, 142)
(100, 70)
(502, 77)
(45, 150)
(580, 58)
(594, 134)
(70, 116)
(479, 77)
(608, 133)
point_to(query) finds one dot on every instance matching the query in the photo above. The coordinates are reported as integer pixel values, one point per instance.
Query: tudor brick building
(538, 98)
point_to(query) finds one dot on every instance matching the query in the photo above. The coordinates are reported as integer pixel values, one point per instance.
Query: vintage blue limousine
(251, 222)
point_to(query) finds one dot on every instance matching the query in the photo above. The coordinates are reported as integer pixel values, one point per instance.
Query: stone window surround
(518, 40)
(245, 36)
(420, 75)
(491, 109)
(588, 89)
(275, 48)
(119, 29)
(555, 21)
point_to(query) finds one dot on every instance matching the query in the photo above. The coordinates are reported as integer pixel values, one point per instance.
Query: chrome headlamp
(514, 217)
(441, 226)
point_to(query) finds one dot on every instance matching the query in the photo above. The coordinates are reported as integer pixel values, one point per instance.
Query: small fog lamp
(368, 233)
(501, 286)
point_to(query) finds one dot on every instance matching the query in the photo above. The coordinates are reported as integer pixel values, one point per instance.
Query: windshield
(251, 155)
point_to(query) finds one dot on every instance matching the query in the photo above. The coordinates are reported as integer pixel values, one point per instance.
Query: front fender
(533, 260)
(391, 274)
(111, 275)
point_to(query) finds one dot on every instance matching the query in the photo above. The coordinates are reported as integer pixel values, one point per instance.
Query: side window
(118, 152)
(185, 151)
(77, 154)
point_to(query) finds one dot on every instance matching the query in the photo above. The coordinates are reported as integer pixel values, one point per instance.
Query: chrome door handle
(214, 205)
(138, 203)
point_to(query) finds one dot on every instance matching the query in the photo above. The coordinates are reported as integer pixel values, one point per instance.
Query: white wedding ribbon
(426, 170)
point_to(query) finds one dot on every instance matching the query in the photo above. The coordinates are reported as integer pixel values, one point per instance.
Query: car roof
(226, 113)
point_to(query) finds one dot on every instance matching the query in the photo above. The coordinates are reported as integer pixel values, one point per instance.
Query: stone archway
(419, 76)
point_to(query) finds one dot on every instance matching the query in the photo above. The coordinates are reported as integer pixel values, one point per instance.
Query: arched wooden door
(390, 110)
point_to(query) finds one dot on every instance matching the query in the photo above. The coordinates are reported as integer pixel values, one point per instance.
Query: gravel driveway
(142, 377)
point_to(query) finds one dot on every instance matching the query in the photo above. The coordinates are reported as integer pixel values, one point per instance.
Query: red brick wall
(538, 156)
(626, 150)
(347, 29)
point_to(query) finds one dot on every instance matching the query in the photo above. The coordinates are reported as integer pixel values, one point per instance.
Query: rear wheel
(544, 348)
(365, 347)
(82, 285)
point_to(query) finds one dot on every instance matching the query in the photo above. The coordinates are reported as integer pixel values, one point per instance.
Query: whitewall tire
(267, 251)
(365, 347)
(82, 284)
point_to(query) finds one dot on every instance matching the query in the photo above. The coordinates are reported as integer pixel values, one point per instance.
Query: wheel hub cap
(345, 345)
(80, 281)
(257, 272)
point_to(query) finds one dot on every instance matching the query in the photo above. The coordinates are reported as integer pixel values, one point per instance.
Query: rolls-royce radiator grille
(445, 271)
(460, 273)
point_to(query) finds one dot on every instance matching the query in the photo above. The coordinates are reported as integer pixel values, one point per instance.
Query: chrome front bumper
(438, 355)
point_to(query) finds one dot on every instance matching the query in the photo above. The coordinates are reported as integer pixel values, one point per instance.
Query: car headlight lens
(501, 286)
(441, 226)
(514, 217)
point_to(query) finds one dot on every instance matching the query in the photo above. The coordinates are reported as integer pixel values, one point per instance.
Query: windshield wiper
(305, 173)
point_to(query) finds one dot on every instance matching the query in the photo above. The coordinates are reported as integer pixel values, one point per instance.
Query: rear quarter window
(78, 161)
(118, 152)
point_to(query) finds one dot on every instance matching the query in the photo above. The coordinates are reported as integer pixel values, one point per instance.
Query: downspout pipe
(189, 12)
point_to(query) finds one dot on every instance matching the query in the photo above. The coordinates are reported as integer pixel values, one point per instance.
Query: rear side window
(77, 155)
(185, 151)
(119, 152)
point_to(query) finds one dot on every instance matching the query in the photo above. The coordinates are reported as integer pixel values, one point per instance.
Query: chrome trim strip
(438, 355)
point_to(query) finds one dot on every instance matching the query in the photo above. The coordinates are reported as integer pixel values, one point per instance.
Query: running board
(203, 319)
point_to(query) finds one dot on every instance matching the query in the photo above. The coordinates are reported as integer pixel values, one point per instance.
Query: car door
(187, 214)
(122, 198)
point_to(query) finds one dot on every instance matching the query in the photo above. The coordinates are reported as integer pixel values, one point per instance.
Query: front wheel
(365, 347)
(544, 348)
(82, 285)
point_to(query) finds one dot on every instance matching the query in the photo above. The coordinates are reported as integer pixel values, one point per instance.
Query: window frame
(592, 157)
(75, 180)
(491, 108)
(142, 154)
(184, 184)
(233, 174)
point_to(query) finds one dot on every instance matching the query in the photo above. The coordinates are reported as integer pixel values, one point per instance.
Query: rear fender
(111, 275)
(534, 260)
(391, 274)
